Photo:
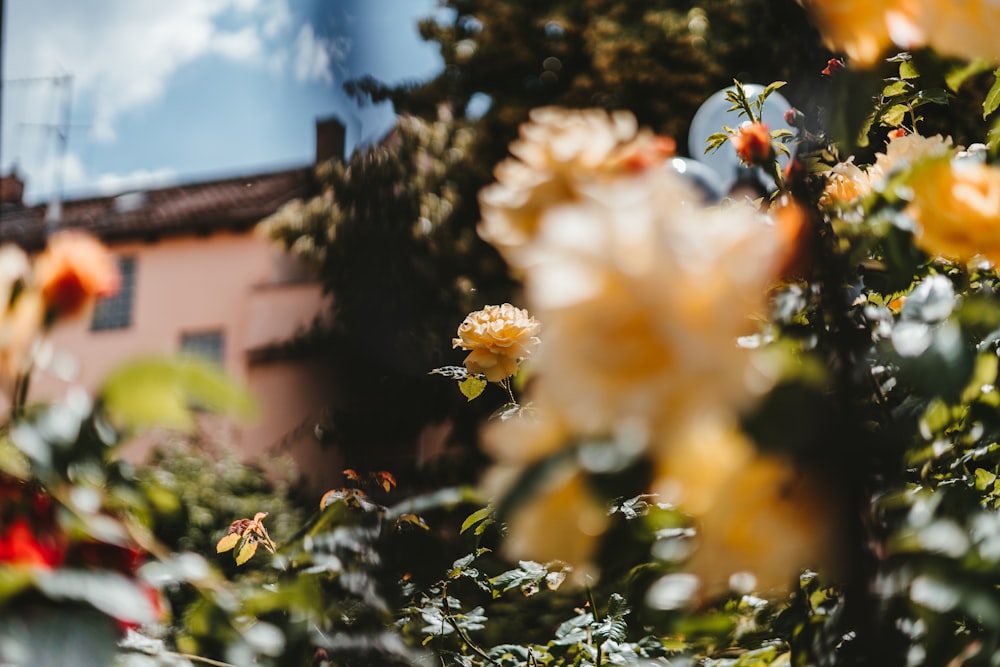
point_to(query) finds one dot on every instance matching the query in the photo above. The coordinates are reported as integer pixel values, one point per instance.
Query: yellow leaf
(227, 543)
(246, 552)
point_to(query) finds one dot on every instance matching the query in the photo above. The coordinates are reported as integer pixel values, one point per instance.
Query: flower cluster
(642, 293)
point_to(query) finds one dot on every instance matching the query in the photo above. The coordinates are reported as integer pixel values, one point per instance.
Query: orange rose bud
(73, 271)
(753, 143)
(897, 133)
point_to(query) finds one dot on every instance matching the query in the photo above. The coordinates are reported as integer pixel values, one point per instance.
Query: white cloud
(311, 57)
(124, 52)
(141, 179)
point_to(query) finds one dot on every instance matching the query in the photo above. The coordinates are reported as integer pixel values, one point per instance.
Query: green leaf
(992, 100)
(984, 479)
(472, 387)
(163, 392)
(896, 88)
(894, 116)
(959, 75)
(476, 517)
(907, 70)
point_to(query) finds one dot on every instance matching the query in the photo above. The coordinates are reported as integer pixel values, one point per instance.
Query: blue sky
(166, 92)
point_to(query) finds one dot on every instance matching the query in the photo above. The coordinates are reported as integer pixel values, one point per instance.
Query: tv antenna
(63, 83)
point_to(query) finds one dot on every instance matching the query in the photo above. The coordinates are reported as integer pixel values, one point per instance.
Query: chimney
(330, 139)
(11, 190)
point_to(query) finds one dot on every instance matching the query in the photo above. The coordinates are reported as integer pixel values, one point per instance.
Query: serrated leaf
(228, 542)
(907, 70)
(476, 517)
(896, 88)
(472, 387)
(895, 114)
(246, 552)
(992, 100)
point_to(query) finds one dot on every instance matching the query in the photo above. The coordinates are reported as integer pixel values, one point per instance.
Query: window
(116, 312)
(207, 344)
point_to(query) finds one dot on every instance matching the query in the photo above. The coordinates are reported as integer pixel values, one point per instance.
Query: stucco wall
(228, 281)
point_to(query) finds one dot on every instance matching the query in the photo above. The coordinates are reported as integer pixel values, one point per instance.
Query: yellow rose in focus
(771, 521)
(956, 206)
(498, 337)
(562, 523)
(864, 29)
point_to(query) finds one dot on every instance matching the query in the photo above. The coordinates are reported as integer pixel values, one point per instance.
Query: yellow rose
(559, 152)
(956, 206)
(695, 467)
(643, 298)
(905, 151)
(498, 337)
(864, 29)
(967, 29)
(562, 523)
(845, 183)
(770, 521)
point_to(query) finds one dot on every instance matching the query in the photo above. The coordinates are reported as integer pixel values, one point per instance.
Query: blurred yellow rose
(695, 467)
(905, 151)
(966, 29)
(864, 29)
(562, 523)
(498, 337)
(846, 183)
(559, 152)
(643, 299)
(771, 521)
(956, 205)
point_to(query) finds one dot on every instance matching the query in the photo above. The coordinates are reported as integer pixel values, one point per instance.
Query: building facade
(197, 279)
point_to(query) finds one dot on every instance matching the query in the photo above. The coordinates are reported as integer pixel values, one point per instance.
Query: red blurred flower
(897, 133)
(19, 545)
(73, 271)
(753, 143)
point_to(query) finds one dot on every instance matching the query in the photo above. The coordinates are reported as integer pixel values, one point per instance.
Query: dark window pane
(116, 312)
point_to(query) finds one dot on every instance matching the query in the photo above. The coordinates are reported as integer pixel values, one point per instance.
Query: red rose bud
(897, 133)
(794, 117)
(753, 143)
(833, 65)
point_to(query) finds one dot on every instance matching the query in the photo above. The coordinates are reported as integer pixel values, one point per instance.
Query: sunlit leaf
(476, 517)
(984, 479)
(472, 387)
(992, 100)
(246, 552)
(228, 542)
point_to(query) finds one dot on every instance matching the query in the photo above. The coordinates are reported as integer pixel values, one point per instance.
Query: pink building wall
(237, 283)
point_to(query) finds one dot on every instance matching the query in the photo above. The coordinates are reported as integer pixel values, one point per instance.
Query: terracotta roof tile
(233, 203)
